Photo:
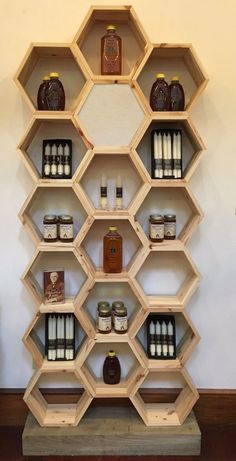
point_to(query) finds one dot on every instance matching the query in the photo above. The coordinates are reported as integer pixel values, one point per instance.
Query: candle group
(104, 205)
(167, 154)
(161, 337)
(60, 336)
(57, 158)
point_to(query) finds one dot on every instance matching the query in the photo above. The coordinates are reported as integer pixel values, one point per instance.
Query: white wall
(210, 27)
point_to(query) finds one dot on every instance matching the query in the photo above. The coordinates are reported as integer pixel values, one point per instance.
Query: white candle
(119, 193)
(158, 328)
(151, 328)
(49, 336)
(54, 156)
(54, 331)
(170, 328)
(67, 336)
(156, 146)
(169, 151)
(163, 328)
(72, 336)
(60, 167)
(63, 336)
(67, 160)
(58, 337)
(103, 193)
(165, 151)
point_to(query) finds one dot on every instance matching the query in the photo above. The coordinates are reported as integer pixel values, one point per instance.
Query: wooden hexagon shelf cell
(109, 120)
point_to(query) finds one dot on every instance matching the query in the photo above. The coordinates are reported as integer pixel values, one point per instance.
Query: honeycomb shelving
(109, 121)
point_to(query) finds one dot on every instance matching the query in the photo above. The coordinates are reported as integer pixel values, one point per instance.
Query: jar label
(104, 323)
(120, 323)
(170, 229)
(66, 231)
(50, 231)
(156, 231)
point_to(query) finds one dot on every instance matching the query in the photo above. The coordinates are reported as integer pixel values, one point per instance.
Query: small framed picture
(54, 286)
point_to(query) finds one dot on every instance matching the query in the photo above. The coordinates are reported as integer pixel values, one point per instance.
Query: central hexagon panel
(111, 115)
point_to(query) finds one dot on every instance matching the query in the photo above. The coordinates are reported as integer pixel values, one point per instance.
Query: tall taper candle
(119, 193)
(103, 193)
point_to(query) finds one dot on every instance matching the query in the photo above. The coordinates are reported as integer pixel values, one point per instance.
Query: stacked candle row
(60, 337)
(166, 154)
(104, 199)
(57, 158)
(161, 342)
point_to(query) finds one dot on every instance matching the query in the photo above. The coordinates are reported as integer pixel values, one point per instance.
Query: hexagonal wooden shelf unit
(135, 42)
(167, 413)
(192, 145)
(59, 199)
(171, 59)
(110, 290)
(34, 337)
(92, 241)
(187, 338)
(164, 200)
(110, 115)
(57, 414)
(91, 367)
(49, 126)
(175, 269)
(76, 272)
(43, 58)
(117, 163)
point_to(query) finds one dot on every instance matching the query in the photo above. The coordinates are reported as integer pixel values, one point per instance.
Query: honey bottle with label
(111, 369)
(112, 251)
(111, 52)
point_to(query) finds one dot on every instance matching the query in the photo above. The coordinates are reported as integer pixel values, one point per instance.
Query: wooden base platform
(111, 431)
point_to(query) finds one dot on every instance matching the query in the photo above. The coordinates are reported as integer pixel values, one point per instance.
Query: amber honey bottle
(112, 251)
(160, 94)
(111, 52)
(55, 95)
(41, 97)
(111, 369)
(177, 98)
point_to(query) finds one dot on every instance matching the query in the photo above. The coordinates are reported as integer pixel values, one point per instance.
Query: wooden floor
(218, 444)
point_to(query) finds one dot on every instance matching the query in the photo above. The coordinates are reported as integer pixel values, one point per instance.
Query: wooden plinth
(111, 431)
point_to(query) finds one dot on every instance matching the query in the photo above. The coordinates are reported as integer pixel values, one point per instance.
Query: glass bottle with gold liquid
(112, 251)
(111, 52)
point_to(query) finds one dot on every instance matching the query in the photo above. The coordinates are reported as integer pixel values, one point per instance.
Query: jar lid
(120, 310)
(175, 78)
(169, 216)
(50, 217)
(53, 74)
(65, 218)
(112, 228)
(111, 27)
(104, 309)
(156, 217)
(46, 77)
(111, 354)
(118, 304)
(160, 75)
(103, 303)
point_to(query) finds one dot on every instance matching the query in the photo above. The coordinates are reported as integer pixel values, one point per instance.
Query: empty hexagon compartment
(172, 60)
(40, 60)
(48, 200)
(134, 39)
(132, 371)
(167, 276)
(168, 408)
(192, 145)
(174, 200)
(117, 165)
(51, 127)
(46, 407)
(186, 338)
(76, 273)
(109, 291)
(93, 244)
(110, 115)
(35, 337)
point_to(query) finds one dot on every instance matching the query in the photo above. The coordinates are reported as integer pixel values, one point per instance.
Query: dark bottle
(111, 52)
(55, 95)
(111, 369)
(112, 251)
(41, 98)
(160, 94)
(177, 99)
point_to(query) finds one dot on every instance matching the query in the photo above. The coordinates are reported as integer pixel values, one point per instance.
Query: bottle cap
(175, 78)
(46, 77)
(50, 217)
(156, 217)
(111, 27)
(160, 75)
(65, 218)
(118, 304)
(53, 74)
(111, 354)
(112, 228)
(103, 304)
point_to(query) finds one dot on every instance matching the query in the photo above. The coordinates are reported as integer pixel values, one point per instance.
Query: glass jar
(156, 228)
(104, 317)
(66, 228)
(120, 319)
(50, 222)
(170, 226)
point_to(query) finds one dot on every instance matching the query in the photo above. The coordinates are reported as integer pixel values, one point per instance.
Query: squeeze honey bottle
(160, 94)
(112, 251)
(111, 369)
(55, 95)
(177, 98)
(111, 52)
(41, 97)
